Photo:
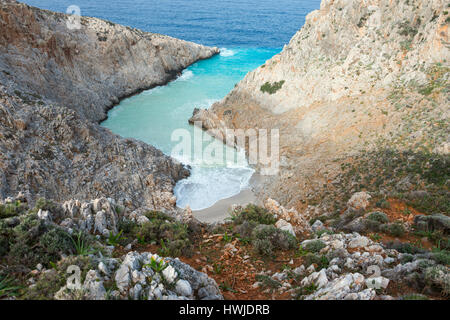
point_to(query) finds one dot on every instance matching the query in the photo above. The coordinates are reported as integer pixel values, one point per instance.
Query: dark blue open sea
(247, 23)
(249, 32)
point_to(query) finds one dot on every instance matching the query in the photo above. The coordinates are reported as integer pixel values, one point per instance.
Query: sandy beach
(221, 209)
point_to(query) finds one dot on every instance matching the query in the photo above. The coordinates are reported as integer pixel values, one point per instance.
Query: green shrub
(378, 216)
(320, 260)
(268, 281)
(272, 88)
(371, 225)
(314, 246)
(263, 247)
(5, 238)
(252, 213)
(12, 209)
(323, 231)
(33, 242)
(115, 239)
(404, 247)
(81, 243)
(266, 238)
(245, 229)
(407, 258)
(7, 287)
(44, 204)
(415, 296)
(438, 276)
(383, 204)
(395, 229)
(441, 257)
(175, 235)
(48, 283)
(304, 291)
(56, 241)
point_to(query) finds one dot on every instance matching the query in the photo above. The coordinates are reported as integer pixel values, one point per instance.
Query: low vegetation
(271, 88)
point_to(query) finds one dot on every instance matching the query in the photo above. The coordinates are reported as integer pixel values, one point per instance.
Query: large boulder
(435, 222)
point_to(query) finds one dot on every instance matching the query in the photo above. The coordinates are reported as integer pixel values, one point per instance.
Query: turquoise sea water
(154, 115)
(249, 32)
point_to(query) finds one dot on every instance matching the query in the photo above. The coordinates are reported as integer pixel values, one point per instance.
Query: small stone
(317, 226)
(377, 282)
(183, 288)
(103, 268)
(359, 242)
(389, 260)
(299, 270)
(311, 269)
(169, 274)
(286, 226)
(322, 280)
(44, 215)
(359, 200)
(123, 278)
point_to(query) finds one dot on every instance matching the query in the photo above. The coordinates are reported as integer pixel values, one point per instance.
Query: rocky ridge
(50, 151)
(87, 69)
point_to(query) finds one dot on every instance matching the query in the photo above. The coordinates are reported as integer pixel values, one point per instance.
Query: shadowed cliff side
(56, 83)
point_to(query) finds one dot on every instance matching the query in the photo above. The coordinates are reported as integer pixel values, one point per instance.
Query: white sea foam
(185, 75)
(151, 91)
(206, 186)
(224, 52)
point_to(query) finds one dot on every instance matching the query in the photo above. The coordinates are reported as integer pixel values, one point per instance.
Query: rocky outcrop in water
(358, 78)
(87, 69)
(56, 83)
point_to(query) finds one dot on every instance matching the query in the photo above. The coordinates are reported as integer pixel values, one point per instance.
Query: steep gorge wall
(88, 69)
(56, 84)
(359, 76)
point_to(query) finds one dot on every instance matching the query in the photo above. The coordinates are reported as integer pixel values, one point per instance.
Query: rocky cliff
(86, 69)
(360, 78)
(56, 83)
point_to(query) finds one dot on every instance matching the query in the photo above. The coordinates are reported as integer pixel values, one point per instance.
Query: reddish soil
(235, 270)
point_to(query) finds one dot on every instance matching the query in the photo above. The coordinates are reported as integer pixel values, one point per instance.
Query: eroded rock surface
(56, 83)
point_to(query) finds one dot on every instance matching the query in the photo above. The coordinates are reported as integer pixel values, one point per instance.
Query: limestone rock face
(62, 156)
(55, 84)
(358, 72)
(87, 69)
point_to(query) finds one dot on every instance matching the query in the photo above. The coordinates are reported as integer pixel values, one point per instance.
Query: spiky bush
(174, 237)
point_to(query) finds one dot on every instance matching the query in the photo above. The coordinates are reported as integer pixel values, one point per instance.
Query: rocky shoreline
(267, 252)
(357, 78)
(87, 69)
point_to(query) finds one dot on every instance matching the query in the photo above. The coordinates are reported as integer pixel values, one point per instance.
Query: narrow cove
(156, 116)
